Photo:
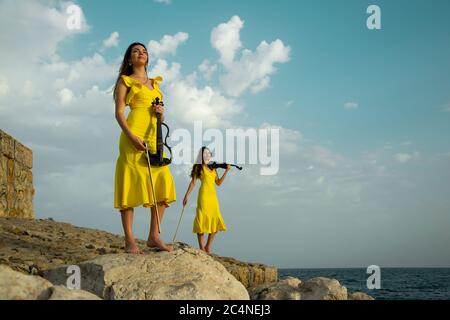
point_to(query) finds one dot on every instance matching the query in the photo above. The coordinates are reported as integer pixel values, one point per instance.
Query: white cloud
(207, 69)
(167, 45)
(163, 1)
(65, 96)
(325, 157)
(252, 69)
(79, 75)
(290, 139)
(402, 157)
(225, 38)
(4, 86)
(189, 103)
(351, 105)
(169, 74)
(263, 84)
(112, 40)
(40, 28)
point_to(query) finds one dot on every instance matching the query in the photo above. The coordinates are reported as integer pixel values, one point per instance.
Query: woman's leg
(127, 223)
(201, 241)
(153, 237)
(209, 242)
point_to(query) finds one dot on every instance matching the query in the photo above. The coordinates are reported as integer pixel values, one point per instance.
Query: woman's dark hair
(125, 67)
(197, 167)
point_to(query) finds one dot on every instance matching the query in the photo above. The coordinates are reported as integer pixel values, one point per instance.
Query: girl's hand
(185, 200)
(228, 167)
(138, 143)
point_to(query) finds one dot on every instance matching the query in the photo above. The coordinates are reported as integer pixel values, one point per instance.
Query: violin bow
(153, 188)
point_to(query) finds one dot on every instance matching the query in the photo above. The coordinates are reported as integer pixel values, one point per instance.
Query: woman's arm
(188, 191)
(121, 93)
(219, 181)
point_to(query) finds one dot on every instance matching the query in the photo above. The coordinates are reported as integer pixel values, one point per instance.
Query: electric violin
(157, 159)
(215, 165)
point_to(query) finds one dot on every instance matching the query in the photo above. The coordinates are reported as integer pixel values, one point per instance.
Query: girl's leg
(209, 242)
(127, 223)
(201, 241)
(153, 237)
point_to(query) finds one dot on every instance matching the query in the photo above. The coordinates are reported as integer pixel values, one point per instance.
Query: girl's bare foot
(208, 249)
(202, 248)
(158, 243)
(131, 247)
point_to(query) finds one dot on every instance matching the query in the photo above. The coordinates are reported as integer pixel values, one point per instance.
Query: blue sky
(398, 75)
(357, 186)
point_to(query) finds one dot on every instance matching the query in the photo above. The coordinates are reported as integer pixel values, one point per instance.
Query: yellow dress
(208, 218)
(132, 186)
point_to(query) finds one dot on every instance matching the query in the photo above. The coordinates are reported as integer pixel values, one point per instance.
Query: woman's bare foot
(208, 249)
(158, 243)
(131, 247)
(202, 248)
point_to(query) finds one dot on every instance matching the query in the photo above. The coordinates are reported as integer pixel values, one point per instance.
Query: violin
(215, 165)
(157, 159)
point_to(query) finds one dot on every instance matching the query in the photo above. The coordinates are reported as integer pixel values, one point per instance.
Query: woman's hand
(158, 109)
(138, 143)
(185, 200)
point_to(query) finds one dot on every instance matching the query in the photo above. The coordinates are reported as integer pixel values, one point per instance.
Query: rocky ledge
(35, 256)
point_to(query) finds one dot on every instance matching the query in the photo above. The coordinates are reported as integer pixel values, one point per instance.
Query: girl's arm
(188, 191)
(219, 181)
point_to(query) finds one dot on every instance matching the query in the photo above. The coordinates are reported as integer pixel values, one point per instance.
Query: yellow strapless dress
(208, 218)
(132, 186)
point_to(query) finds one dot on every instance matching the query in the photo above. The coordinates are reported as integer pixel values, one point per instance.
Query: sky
(364, 119)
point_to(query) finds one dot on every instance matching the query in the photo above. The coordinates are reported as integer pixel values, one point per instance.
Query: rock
(24, 240)
(185, 273)
(291, 288)
(249, 274)
(286, 289)
(63, 293)
(360, 296)
(292, 281)
(322, 288)
(17, 286)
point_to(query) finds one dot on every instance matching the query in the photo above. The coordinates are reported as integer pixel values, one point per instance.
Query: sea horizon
(397, 283)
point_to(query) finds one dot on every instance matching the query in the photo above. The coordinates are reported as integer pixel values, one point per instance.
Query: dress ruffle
(136, 86)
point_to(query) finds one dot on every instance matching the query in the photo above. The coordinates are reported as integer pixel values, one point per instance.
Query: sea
(395, 284)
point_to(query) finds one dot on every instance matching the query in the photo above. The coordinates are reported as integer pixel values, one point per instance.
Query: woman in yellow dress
(208, 218)
(132, 185)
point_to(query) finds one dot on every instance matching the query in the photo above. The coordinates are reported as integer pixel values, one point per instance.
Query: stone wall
(16, 178)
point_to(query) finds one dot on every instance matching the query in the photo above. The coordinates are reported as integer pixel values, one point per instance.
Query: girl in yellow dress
(132, 185)
(208, 218)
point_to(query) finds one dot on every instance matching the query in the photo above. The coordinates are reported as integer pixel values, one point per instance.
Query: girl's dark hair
(125, 67)
(197, 167)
